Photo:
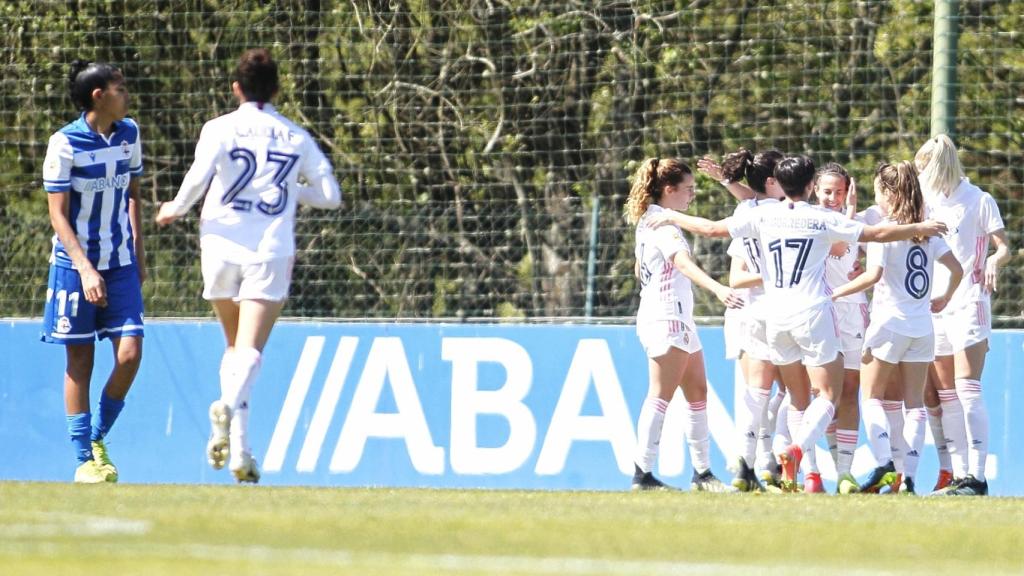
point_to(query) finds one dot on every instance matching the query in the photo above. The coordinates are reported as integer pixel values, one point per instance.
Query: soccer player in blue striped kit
(98, 262)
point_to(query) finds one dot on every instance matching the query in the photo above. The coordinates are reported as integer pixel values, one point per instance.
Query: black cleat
(643, 481)
(969, 486)
(746, 479)
(953, 485)
(908, 486)
(707, 482)
(881, 477)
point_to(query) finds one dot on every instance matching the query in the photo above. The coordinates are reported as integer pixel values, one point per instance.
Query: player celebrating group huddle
(796, 238)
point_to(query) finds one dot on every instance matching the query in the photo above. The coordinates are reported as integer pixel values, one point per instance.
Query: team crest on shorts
(686, 337)
(63, 325)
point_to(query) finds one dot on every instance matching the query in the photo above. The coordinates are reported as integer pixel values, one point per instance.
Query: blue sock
(78, 428)
(107, 415)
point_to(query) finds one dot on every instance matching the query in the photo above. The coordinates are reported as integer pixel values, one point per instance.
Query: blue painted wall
(440, 405)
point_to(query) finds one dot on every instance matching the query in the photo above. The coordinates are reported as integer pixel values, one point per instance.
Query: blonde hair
(939, 165)
(900, 184)
(648, 183)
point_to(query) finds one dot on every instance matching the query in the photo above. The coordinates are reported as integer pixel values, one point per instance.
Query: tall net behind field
(473, 139)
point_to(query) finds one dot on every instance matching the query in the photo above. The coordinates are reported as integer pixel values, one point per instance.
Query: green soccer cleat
(89, 472)
(102, 458)
(881, 477)
(246, 471)
(847, 484)
(218, 448)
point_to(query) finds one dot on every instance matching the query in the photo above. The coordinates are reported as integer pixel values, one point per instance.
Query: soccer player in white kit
(802, 325)
(900, 338)
(963, 327)
(837, 191)
(248, 163)
(664, 321)
(745, 328)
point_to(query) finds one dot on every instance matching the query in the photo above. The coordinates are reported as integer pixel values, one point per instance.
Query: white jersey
(796, 238)
(749, 250)
(902, 301)
(837, 273)
(665, 292)
(248, 163)
(971, 214)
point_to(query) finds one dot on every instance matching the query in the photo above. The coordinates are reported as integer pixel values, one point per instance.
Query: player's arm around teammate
(962, 329)
(248, 163)
(97, 266)
(665, 321)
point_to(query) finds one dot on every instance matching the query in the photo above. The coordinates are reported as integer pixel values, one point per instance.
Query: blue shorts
(70, 319)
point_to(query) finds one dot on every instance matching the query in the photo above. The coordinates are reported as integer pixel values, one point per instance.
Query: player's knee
(129, 355)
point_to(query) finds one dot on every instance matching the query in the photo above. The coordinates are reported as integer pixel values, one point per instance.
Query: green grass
(137, 529)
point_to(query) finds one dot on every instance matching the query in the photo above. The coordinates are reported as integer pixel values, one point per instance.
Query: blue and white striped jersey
(96, 171)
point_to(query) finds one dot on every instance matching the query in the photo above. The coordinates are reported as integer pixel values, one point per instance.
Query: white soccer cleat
(247, 470)
(218, 448)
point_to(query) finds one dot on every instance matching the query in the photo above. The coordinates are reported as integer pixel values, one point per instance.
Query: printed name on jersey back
(271, 132)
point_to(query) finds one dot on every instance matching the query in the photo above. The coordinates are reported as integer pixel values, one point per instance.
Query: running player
(837, 191)
(745, 328)
(900, 338)
(248, 162)
(963, 327)
(664, 321)
(98, 262)
(801, 324)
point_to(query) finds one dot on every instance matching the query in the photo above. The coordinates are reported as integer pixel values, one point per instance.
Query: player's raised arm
(888, 232)
(694, 224)
(739, 190)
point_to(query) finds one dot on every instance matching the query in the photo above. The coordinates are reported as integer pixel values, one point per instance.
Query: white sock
(765, 458)
(832, 442)
(876, 426)
(935, 423)
(976, 414)
(239, 435)
(238, 370)
(697, 436)
(809, 463)
(955, 429)
(913, 436)
(748, 418)
(783, 438)
(648, 432)
(816, 418)
(846, 445)
(894, 414)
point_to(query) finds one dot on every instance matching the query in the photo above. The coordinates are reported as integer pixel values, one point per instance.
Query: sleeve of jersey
(57, 165)
(669, 240)
(735, 249)
(876, 255)
(940, 246)
(842, 229)
(197, 179)
(135, 165)
(742, 225)
(991, 219)
(322, 190)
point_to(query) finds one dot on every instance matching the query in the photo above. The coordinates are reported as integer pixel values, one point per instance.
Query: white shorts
(853, 321)
(732, 331)
(657, 337)
(894, 348)
(815, 342)
(259, 281)
(755, 339)
(957, 329)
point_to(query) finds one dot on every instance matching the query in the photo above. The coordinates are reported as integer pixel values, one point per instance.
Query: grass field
(138, 529)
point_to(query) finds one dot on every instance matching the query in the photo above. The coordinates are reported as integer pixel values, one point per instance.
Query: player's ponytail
(84, 77)
(939, 165)
(899, 183)
(650, 180)
(755, 169)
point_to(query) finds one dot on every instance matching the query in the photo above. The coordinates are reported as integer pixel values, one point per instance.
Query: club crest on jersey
(126, 149)
(92, 156)
(63, 325)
